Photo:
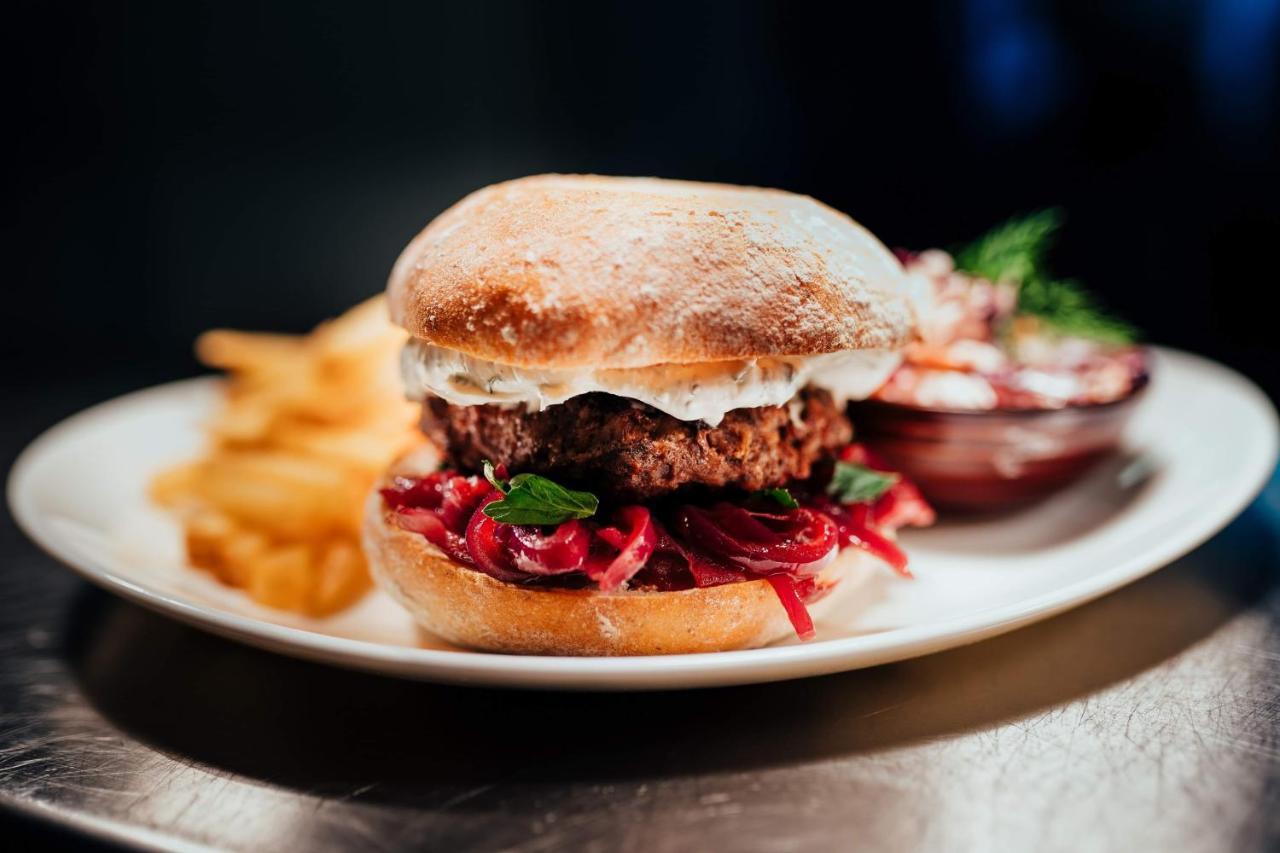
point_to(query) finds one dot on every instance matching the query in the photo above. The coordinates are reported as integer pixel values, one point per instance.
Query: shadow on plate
(325, 730)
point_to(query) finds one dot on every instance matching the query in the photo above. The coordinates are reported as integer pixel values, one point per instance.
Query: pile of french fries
(308, 424)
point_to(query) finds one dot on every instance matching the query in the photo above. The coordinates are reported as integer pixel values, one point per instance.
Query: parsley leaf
(780, 495)
(531, 499)
(853, 483)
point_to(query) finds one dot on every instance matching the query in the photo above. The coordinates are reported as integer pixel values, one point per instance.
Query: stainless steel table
(1149, 719)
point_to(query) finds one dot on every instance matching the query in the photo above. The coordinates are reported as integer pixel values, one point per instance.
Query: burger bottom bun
(470, 608)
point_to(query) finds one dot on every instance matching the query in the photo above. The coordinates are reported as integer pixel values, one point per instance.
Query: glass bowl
(995, 459)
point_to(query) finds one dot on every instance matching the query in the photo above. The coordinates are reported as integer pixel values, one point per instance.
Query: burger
(634, 391)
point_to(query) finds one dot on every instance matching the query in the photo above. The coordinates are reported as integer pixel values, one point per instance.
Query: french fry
(281, 578)
(249, 351)
(174, 485)
(308, 423)
(342, 579)
(206, 534)
(242, 424)
(239, 552)
(365, 450)
(284, 496)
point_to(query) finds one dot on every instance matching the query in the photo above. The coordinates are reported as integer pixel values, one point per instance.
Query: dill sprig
(1013, 251)
(1016, 252)
(1069, 309)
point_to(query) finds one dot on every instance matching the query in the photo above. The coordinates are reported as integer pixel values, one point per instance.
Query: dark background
(180, 166)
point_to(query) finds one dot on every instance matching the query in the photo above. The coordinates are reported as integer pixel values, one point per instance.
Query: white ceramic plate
(1199, 449)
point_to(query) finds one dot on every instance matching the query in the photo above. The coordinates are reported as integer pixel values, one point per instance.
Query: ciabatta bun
(469, 608)
(563, 271)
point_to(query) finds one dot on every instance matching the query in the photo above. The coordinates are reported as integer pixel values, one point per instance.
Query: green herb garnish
(1016, 253)
(492, 477)
(780, 495)
(853, 483)
(1013, 251)
(532, 499)
(1069, 309)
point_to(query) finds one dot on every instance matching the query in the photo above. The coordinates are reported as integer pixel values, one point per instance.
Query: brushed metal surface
(1149, 719)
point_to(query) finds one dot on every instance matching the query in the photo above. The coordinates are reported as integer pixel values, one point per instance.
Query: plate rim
(652, 672)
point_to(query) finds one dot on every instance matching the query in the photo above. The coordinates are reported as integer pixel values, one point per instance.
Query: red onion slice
(486, 542)
(458, 499)
(785, 587)
(706, 573)
(637, 545)
(856, 530)
(797, 537)
(879, 546)
(426, 522)
(562, 551)
(701, 569)
(902, 506)
(765, 567)
(408, 492)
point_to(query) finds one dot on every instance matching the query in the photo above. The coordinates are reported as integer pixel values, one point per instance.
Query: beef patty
(625, 451)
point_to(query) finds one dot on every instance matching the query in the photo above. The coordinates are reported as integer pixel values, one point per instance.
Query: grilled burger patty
(627, 451)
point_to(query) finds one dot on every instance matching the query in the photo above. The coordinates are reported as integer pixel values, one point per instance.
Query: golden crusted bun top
(562, 271)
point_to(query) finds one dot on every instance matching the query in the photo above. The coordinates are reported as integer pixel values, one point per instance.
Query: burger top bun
(566, 271)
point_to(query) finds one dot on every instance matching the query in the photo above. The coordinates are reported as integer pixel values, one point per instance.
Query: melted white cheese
(688, 392)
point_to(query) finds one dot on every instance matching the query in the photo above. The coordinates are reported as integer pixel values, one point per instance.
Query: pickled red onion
(785, 587)
(486, 542)
(797, 537)
(425, 521)
(635, 546)
(559, 552)
(720, 544)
